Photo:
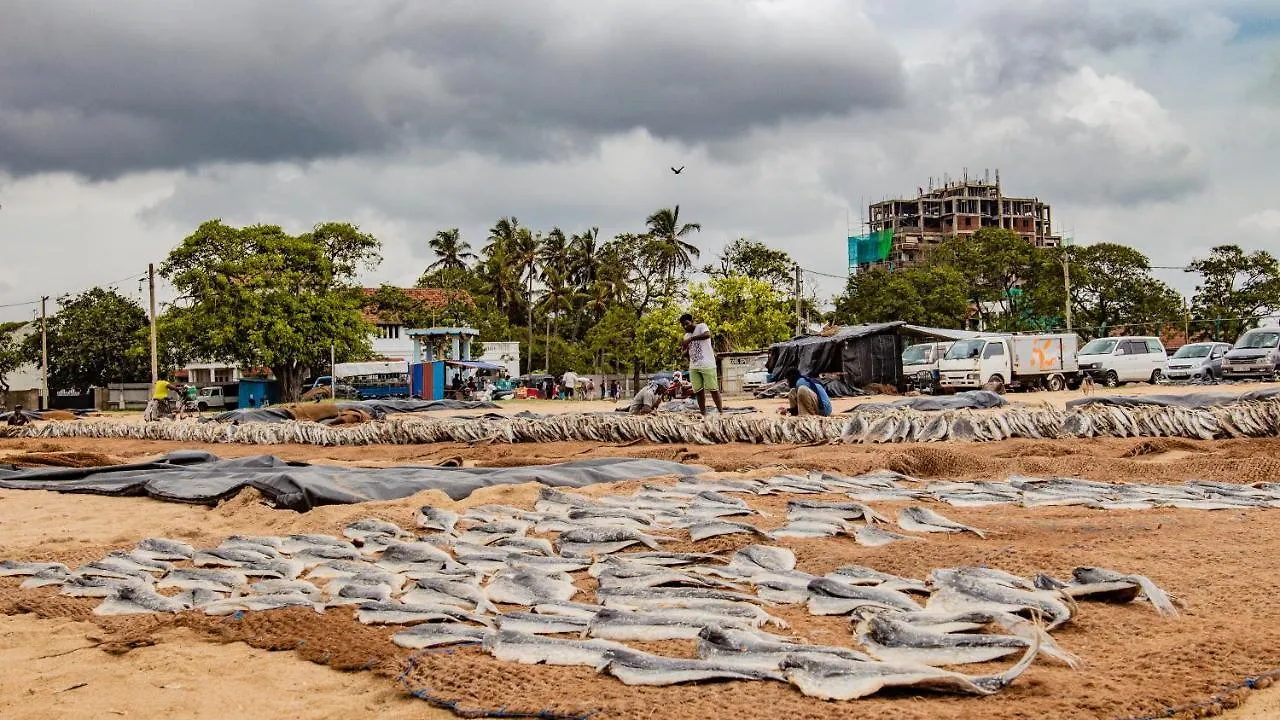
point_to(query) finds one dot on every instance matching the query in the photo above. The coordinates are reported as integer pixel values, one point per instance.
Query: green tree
(933, 295)
(452, 252)
(754, 259)
(498, 271)
(11, 355)
(636, 280)
(675, 254)
(261, 297)
(93, 340)
(1111, 285)
(1235, 285)
(744, 313)
(994, 263)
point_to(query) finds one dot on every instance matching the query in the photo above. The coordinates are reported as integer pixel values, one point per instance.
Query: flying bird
(678, 171)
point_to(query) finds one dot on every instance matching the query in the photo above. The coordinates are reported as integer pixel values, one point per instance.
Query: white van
(1115, 360)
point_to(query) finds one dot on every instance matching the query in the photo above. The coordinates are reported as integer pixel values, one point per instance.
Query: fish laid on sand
(529, 587)
(438, 634)
(921, 519)
(511, 646)
(830, 678)
(133, 599)
(602, 540)
(633, 667)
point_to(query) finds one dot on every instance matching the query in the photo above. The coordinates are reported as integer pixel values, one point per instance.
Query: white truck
(921, 365)
(1014, 361)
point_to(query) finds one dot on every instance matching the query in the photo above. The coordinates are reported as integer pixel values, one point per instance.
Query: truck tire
(1055, 383)
(1110, 379)
(996, 383)
(202, 407)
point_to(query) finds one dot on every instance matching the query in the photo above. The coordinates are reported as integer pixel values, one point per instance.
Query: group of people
(807, 396)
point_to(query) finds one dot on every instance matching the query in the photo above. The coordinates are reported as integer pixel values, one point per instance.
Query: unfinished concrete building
(901, 230)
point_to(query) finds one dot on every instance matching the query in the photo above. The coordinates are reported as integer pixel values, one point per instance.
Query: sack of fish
(1257, 418)
(487, 577)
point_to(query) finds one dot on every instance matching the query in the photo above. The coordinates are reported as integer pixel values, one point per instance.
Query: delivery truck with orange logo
(1012, 361)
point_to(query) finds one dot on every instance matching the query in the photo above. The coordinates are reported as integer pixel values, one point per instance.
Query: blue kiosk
(438, 353)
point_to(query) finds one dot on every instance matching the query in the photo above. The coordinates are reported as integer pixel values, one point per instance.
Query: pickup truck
(1014, 361)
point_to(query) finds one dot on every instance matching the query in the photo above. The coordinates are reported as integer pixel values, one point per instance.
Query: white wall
(24, 377)
(505, 353)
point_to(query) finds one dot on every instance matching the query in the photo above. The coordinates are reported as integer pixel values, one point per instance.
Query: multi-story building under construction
(901, 230)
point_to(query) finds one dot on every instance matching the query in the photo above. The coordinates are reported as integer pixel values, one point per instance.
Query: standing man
(702, 362)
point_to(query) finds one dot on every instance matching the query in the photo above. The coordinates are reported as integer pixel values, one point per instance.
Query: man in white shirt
(702, 362)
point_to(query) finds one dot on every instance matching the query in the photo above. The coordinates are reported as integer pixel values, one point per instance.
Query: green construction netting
(869, 248)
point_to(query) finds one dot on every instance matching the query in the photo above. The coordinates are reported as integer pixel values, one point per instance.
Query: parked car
(757, 378)
(1116, 360)
(1198, 361)
(1256, 354)
(217, 397)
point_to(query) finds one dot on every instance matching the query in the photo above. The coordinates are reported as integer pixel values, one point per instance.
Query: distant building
(903, 229)
(27, 375)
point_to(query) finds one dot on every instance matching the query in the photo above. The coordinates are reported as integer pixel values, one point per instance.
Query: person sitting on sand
(647, 400)
(17, 417)
(807, 396)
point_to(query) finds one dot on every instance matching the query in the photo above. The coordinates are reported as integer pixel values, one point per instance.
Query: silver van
(1256, 354)
(1198, 361)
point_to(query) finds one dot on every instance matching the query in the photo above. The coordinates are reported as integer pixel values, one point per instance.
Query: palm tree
(558, 297)
(503, 281)
(665, 228)
(452, 252)
(554, 253)
(522, 254)
(584, 251)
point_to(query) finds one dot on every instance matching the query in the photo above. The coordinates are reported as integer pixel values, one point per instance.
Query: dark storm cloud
(174, 84)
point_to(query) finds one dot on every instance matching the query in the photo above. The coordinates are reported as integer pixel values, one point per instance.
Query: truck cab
(921, 364)
(972, 363)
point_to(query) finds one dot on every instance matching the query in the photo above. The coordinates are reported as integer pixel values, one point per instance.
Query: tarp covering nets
(970, 400)
(375, 409)
(869, 248)
(202, 478)
(1188, 400)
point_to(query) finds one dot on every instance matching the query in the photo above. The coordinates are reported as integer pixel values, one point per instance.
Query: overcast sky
(1153, 124)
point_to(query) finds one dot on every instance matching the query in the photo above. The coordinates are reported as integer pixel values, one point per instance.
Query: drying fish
(437, 634)
(342, 568)
(530, 545)
(895, 641)
(833, 597)
(553, 500)
(230, 557)
(658, 597)
(132, 599)
(431, 518)
(281, 569)
(529, 587)
(919, 519)
(44, 578)
(275, 587)
(390, 612)
(611, 513)
(273, 601)
(602, 540)
(700, 531)
(165, 549)
(297, 543)
(568, 609)
(878, 537)
(544, 564)
(114, 568)
(809, 529)
(641, 668)
(449, 592)
(673, 558)
(840, 510)
(367, 529)
(95, 585)
(658, 624)
(13, 568)
(266, 541)
(355, 593)
(511, 646)
(490, 532)
(859, 575)
(754, 649)
(1099, 583)
(197, 598)
(764, 557)
(959, 591)
(830, 678)
(224, 581)
(397, 556)
(542, 624)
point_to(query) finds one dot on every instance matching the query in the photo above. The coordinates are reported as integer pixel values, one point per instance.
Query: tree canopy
(261, 297)
(94, 338)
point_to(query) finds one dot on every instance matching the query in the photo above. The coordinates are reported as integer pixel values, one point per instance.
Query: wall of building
(504, 353)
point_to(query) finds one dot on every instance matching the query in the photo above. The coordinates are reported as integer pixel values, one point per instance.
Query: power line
(21, 304)
(135, 276)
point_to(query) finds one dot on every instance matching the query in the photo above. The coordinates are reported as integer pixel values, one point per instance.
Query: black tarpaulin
(377, 409)
(201, 478)
(1189, 400)
(970, 400)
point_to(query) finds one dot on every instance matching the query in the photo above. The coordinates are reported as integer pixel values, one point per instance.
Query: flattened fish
(920, 519)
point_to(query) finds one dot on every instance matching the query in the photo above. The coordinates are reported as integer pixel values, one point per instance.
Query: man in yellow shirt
(159, 405)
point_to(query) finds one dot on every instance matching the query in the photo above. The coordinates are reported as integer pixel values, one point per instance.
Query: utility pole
(1066, 283)
(333, 372)
(799, 289)
(44, 354)
(151, 283)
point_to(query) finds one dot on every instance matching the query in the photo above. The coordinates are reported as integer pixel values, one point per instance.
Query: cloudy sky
(1154, 124)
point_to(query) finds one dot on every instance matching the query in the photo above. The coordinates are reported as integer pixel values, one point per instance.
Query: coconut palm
(452, 252)
(554, 253)
(665, 228)
(522, 254)
(584, 251)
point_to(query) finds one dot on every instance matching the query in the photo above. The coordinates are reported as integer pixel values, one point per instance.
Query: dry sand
(1224, 564)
